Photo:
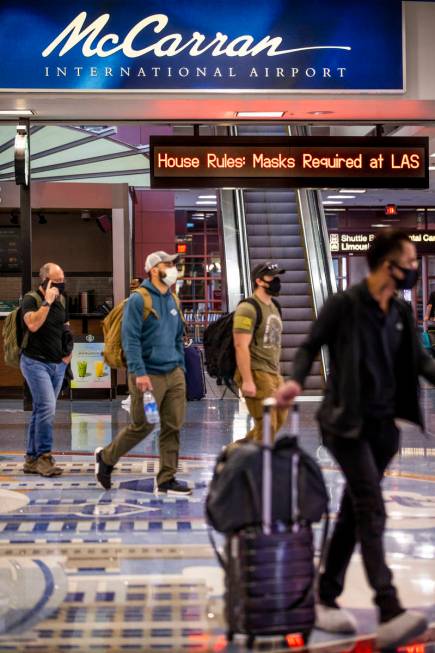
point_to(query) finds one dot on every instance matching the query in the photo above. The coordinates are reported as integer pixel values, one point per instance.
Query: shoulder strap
(36, 296)
(178, 304)
(147, 302)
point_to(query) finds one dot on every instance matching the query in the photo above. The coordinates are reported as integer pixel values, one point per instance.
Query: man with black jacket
(375, 361)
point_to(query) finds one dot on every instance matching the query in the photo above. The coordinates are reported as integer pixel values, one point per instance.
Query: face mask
(169, 277)
(59, 286)
(409, 280)
(274, 287)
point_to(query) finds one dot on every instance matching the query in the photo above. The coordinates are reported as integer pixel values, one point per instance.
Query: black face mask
(59, 286)
(410, 277)
(274, 287)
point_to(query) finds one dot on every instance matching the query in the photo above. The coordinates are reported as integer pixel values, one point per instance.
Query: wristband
(46, 303)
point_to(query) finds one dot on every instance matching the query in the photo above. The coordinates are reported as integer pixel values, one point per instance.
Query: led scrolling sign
(288, 162)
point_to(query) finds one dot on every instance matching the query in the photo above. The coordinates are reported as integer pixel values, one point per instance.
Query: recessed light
(331, 202)
(341, 197)
(259, 114)
(349, 190)
(16, 112)
(204, 202)
(206, 197)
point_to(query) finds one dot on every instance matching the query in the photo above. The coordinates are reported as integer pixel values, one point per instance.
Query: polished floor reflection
(86, 570)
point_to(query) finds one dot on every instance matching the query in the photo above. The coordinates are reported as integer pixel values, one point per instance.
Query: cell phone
(44, 284)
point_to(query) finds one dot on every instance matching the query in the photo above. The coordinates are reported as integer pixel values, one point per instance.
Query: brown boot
(29, 466)
(45, 466)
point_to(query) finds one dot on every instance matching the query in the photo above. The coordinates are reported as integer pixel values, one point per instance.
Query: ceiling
(75, 154)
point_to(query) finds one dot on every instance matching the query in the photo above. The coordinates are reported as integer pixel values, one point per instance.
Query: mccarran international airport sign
(292, 162)
(192, 45)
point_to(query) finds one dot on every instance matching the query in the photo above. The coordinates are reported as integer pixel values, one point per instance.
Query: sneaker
(103, 472)
(174, 488)
(29, 466)
(46, 466)
(400, 630)
(335, 620)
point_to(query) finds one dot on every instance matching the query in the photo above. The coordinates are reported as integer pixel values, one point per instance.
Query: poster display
(88, 366)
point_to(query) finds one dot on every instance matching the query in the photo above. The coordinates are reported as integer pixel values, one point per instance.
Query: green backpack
(15, 337)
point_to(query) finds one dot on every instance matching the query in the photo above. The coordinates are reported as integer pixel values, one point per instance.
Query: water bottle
(151, 409)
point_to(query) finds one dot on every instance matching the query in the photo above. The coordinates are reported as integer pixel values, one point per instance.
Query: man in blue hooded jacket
(154, 351)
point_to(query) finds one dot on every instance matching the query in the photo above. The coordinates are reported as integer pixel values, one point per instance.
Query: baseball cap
(155, 258)
(266, 268)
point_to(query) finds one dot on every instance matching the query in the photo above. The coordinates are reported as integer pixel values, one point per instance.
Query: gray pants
(170, 394)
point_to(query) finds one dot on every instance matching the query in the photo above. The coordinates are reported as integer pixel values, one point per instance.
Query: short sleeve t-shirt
(265, 345)
(46, 343)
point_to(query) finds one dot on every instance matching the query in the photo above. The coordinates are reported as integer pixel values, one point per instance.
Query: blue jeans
(45, 382)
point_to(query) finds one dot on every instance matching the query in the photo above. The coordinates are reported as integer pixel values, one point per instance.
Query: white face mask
(170, 277)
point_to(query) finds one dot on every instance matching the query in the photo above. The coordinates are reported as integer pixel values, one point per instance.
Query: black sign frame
(239, 181)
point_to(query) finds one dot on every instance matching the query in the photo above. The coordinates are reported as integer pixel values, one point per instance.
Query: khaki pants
(170, 394)
(266, 384)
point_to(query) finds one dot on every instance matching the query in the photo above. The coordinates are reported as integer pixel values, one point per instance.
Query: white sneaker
(335, 620)
(400, 630)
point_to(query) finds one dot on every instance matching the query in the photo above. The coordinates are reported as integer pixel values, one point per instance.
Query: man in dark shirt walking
(45, 356)
(375, 360)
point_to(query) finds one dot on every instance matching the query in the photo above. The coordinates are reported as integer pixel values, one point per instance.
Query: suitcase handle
(266, 514)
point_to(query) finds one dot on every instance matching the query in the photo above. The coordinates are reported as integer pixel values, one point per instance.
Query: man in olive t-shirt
(258, 350)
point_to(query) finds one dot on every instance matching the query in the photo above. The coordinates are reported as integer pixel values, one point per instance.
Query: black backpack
(234, 495)
(220, 355)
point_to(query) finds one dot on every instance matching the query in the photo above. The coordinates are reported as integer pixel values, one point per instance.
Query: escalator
(275, 230)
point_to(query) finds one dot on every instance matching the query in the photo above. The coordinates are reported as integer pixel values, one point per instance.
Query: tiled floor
(86, 570)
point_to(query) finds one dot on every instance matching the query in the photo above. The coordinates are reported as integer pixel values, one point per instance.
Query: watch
(46, 303)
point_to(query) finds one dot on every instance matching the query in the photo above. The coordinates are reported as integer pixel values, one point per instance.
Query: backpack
(15, 337)
(113, 353)
(220, 355)
(234, 495)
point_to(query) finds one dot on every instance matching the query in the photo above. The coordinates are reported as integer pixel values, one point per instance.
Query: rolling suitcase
(195, 377)
(269, 571)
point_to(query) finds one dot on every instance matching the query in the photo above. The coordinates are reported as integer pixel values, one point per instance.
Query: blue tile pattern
(141, 575)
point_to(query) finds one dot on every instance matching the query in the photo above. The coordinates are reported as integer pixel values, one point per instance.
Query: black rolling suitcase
(269, 569)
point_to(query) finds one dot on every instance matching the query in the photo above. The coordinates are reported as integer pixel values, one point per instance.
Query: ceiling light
(17, 112)
(332, 202)
(341, 197)
(334, 210)
(379, 225)
(197, 217)
(206, 197)
(204, 202)
(431, 167)
(319, 113)
(259, 114)
(347, 190)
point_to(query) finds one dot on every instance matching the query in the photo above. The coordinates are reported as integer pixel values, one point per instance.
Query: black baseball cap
(266, 269)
